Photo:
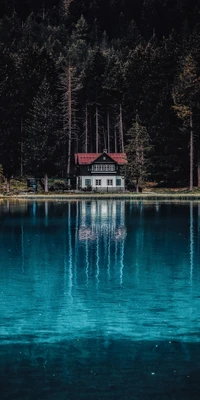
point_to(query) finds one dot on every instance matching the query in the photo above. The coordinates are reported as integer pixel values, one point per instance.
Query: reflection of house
(120, 233)
(100, 171)
(100, 236)
(86, 233)
(102, 219)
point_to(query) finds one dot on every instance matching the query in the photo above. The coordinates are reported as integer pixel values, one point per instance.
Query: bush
(57, 185)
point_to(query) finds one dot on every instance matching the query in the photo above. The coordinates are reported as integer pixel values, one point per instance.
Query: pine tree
(78, 51)
(185, 95)
(138, 153)
(69, 88)
(92, 82)
(85, 137)
(9, 110)
(41, 129)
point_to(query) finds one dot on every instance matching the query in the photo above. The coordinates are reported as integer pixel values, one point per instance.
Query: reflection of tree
(70, 251)
(198, 225)
(34, 209)
(121, 261)
(87, 261)
(109, 256)
(46, 208)
(22, 246)
(76, 241)
(191, 241)
(97, 261)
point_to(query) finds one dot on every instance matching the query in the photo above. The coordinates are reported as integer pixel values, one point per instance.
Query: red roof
(89, 158)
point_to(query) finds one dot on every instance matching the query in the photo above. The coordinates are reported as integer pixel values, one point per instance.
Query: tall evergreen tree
(42, 137)
(69, 86)
(9, 139)
(79, 48)
(185, 94)
(138, 153)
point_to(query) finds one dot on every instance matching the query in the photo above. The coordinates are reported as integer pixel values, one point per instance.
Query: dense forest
(85, 75)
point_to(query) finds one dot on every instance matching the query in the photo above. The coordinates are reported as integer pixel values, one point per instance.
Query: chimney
(105, 151)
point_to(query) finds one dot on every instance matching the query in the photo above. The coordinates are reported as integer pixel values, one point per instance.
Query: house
(100, 171)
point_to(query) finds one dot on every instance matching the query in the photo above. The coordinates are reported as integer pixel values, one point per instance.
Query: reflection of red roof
(89, 158)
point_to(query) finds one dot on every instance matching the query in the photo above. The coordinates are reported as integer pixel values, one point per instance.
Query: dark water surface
(99, 300)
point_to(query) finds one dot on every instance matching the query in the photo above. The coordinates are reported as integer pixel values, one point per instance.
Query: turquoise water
(99, 300)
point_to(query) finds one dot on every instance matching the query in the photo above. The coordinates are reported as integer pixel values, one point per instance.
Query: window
(88, 182)
(118, 182)
(109, 182)
(103, 167)
(98, 182)
(110, 167)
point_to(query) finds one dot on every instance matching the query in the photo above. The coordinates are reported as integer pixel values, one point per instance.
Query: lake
(99, 299)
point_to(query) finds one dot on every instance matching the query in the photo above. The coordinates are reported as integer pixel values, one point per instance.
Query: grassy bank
(19, 190)
(128, 196)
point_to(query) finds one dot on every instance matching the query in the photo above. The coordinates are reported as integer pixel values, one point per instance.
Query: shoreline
(125, 196)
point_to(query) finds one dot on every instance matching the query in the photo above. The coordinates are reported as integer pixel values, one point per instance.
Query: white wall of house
(102, 181)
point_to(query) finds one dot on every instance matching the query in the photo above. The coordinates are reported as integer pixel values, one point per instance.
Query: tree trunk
(69, 121)
(21, 159)
(137, 186)
(21, 149)
(191, 152)
(191, 241)
(76, 147)
(66, 5)
(86, 129)
(198, 169)
(8, 185)
(97, 130)
(108, 130)
(115, 139)
(92, 141)
(46, 183)
(43, 13)
(121, 130)
(104, 139)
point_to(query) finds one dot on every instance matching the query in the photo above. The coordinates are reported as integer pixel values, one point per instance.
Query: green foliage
(93, 76)
(187, 89)
(138, 153)
(41, 132)
(79, 48)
